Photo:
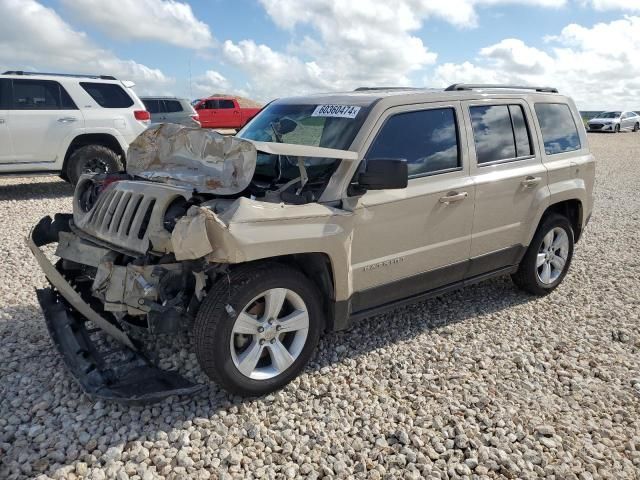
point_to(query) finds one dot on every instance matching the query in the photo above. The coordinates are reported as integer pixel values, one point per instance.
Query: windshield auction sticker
(339, 111)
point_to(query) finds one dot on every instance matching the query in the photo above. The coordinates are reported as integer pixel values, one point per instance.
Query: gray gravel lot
(482, 383)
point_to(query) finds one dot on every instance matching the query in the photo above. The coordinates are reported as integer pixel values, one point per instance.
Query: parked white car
(66, 124)
(614, 122)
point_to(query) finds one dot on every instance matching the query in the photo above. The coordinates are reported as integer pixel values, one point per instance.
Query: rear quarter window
(559, 131)
(108, 95)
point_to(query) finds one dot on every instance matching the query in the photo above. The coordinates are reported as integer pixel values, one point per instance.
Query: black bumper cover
(121, 374)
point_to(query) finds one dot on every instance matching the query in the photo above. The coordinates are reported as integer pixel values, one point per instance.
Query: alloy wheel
(552, 256)
(269, 334)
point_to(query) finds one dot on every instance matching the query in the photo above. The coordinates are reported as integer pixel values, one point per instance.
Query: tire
(530, 275)
(616, 129)
(636, 127)
(92, 158)
(220, 349)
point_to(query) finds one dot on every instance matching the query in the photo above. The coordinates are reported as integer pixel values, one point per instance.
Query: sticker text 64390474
(340, 111)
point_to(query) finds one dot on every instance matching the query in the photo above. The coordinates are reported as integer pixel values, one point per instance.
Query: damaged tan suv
(322, 210)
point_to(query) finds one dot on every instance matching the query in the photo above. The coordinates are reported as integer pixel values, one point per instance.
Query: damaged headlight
(90, 188)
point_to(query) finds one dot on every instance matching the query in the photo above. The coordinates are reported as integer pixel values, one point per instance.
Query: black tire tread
(72, 172)
(524, 277)
(214, 306)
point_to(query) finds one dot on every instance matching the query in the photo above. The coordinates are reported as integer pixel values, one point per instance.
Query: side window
(5, 93)
(227, 104)
(520, 131)
(211, 104)
(427, 139)
(40, 95)
(152, 106)
(108, 95)
(492, 133)
(559, 130)
(172, 106)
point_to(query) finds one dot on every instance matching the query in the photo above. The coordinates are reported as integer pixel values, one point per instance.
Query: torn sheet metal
(193, 235)
(193, 157)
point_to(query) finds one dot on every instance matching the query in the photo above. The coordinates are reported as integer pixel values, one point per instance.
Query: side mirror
(384, 174)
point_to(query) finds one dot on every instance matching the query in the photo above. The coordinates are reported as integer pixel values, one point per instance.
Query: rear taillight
(196, 117)
(142, 115)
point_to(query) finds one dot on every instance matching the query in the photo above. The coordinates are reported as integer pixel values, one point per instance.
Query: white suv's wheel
(92, 159)
(258, 328)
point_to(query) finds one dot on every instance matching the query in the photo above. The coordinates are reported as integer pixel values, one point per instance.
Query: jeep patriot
(322, 210)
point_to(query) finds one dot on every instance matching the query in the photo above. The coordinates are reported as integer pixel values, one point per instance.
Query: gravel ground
(482, 383)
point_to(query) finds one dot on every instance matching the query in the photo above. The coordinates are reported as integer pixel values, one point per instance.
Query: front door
(6, 150)
(42, 117)
(206, 110)
(510, 181)
(416, 239)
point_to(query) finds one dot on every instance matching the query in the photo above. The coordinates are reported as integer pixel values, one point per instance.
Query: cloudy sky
(590, 49)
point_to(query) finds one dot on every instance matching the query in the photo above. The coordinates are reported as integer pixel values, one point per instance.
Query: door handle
(530, 181)
(452, 197)
(67, 120)
(1, 120)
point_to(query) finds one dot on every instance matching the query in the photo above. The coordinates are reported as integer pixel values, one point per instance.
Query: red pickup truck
(223, 112)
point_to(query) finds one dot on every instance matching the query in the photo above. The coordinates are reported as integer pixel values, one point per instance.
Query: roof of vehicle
(366, 96)
(21, 74)
(160, 97)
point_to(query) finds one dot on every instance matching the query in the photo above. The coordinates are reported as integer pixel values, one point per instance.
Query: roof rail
(75, 75)
(473, 86)
(366, 89)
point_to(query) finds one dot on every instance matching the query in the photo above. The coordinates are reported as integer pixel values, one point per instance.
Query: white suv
(66, 124)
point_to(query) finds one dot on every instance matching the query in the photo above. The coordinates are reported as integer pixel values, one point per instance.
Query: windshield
(609, 115)
(329, 126)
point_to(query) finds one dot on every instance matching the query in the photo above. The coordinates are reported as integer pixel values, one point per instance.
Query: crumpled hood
(197, 158)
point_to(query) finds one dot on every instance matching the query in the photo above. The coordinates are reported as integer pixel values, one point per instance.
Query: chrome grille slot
(127, 211)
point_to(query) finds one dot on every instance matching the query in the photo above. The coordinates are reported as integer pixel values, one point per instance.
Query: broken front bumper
(123, 374)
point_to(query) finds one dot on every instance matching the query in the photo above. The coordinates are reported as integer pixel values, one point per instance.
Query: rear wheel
(92, 159)
(548, 257)
(257, 328)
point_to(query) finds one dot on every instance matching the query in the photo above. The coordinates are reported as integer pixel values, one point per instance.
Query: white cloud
(167, 21)
(625, 5)
(213, 82)
(35, 37)
(350, 44)
(578, 62)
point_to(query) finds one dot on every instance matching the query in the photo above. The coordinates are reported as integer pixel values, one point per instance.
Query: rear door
(628, 119)
(6, 150)
(228, 116)
(416, 239)
(42, 117)
(510, 180)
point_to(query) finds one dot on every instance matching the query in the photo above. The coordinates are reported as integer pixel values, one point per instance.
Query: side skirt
(370, 312)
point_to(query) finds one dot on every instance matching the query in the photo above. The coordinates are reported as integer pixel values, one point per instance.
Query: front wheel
(616, 129)
(548, 257)
(636, 127)
(257, 328)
